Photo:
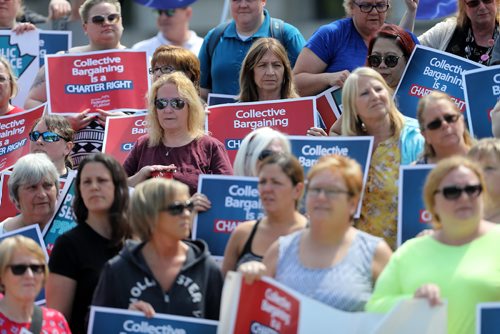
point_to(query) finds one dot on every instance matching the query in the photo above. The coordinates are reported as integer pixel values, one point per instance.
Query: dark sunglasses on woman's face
(20, 269)
(176, 103)
(436, 124)
(47, 136)
(100, 19)
(168, 12)
(475, 3)
(177, 208)
(454, 192)
(389, 60)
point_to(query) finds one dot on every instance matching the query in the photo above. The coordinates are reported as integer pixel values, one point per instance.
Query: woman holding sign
(460, 262)
(281, 183)
(22, 274)
(330, 261)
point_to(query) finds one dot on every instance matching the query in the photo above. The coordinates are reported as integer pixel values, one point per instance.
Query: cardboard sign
(108, 80)
(235, 199)
(413, 218)
(121, 133)
(112, 320)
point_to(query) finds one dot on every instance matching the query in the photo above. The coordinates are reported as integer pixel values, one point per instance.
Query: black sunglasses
(177, 208)
(47, 136)
(475, 3)
(389, 60)
(176, 103)
(368, 7)
(454, 192)
(20, 269)
(163, 69)
(266, 153)
(100, 19)
(436, 124)
(168, 12)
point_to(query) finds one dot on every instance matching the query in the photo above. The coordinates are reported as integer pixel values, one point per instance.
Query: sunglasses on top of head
(436, 124)
(47, 136)
(454, 192)
(100, 19)
(20, 269)
(475, 3)
(389, 60)
(177, 208)
(176, 103)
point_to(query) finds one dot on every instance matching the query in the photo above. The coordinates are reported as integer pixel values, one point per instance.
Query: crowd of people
(134, 228)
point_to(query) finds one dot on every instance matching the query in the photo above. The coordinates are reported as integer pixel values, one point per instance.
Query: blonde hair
(352, 125)
(12, 77)
(462, 17)
(187, 91)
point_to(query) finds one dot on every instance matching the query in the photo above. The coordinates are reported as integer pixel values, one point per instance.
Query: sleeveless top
(247, 255)
(346, 286)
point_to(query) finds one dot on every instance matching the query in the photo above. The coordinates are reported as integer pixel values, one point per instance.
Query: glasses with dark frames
(100, 19)
(176, 103)
(389, 60)
(20, 269)
(475, 3)
(162, 69)
(454, 192)
(47, 136)
(177, 208)
(437, 123)
(368, 7)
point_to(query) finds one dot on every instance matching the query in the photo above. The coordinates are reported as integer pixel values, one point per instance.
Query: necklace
(169, 150)
(475, 52)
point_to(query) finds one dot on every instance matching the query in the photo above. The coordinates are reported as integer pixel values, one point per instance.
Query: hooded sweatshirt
(195, 292)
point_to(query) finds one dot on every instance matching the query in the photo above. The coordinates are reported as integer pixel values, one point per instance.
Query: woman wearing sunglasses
(471, 34)
(33, 189)
(100, 205)
(330, 261)
(53, 135)
(22, 274)
(443, 128)
(459, 262)
(175, 275)
(176, 142)
(281, 183)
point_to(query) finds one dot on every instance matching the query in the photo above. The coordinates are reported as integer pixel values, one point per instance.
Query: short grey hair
(31, 169)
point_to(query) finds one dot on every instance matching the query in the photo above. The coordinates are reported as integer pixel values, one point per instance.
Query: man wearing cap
(173, 26)
(220, 64)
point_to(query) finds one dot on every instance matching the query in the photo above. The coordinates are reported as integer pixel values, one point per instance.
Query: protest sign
(435, 9)
(413, 218)
(488, 318)
(53, 41)
(430, 69)
(32, 232)
(108, 80)
(121, 133)
(266, 306)
(112, 320)
(216, 99)
(235, 199)
(481, 98)
(329, 106)
(7, 208)
(22, 52)
(230, 123)
(63, 219)
(14, 131)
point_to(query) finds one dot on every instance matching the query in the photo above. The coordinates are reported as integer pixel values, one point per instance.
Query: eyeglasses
(176, 103)
(20, 269)
(454, 192)
(100, 19)
(163, 69)
(367, 8)
(177, 208)
(329, 193)
(436, 124)
(168, 12)
(389, 60)
(475, 3)
(47, 136)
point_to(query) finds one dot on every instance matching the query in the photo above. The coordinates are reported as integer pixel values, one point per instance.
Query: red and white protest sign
(14, 131)
(107, 80)
(230, 123)
(121, 133)
(7, 208)
(329, 106)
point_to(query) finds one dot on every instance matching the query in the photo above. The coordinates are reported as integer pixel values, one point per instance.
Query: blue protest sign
(110, 320)
(52, 42)
(235, 199)
(412, 216)
(481, 98)
(435, 9)
(487, 318)
(427, 70)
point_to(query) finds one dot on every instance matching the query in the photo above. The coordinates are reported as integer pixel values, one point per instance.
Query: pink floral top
(53, 323)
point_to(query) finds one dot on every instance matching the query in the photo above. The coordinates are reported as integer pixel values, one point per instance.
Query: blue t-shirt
(221, 76)
(339, 45)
